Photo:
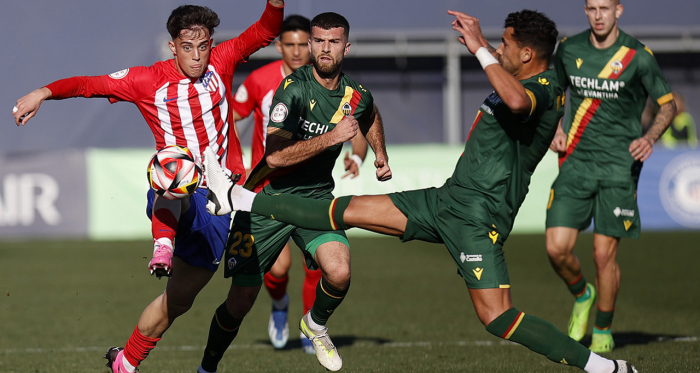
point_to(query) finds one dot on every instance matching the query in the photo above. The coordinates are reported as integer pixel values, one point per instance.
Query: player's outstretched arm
(27, 106)
(641, 148)
(506, 85)
(374, 134)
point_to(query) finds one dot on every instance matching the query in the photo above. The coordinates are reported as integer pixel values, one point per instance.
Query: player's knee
(339, 277)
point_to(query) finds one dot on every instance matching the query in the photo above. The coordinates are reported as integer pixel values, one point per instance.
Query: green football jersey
(301, 110)
(502, 150)
(608, 91)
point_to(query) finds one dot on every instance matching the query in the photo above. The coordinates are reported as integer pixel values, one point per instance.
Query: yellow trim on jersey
(619, 55)
(504, 286)
(338, 116)
(255, 178)
(517, 323)
(533, 99)
(279, 132)
(665, 99)
(330, 214)
(585, 104)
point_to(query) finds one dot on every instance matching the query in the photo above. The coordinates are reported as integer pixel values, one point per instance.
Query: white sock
(313, 325)
(201, 370)
(280, 304)
(599, 364)
(241, 198)
(127, 365)
(164, 241)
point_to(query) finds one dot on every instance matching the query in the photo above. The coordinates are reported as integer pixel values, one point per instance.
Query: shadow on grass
(641, 338)
(338, 341)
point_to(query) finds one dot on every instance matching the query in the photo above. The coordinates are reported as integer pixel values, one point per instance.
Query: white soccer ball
(174, 172)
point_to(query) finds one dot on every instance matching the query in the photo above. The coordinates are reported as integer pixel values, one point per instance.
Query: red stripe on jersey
(356, 96)
(476, 120)
(579, 132)
(625, 62)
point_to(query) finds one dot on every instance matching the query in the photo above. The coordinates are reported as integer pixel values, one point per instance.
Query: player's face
(191, 51)
(602, 16)
(293, 45)
(509, 53)
(328, 47)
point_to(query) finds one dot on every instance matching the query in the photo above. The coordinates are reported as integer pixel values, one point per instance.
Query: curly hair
(534, 30)
(191, 17)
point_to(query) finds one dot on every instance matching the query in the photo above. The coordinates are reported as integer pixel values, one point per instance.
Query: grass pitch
(62, 304)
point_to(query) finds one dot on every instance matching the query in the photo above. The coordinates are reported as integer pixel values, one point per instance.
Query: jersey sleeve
(245, 99)
(124, 85)
(539, 95)
(653, 79)
(559, 67)
(286, 109)
(366, 105)
(260, 34)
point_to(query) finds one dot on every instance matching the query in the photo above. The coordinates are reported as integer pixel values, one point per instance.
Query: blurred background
(78, 168)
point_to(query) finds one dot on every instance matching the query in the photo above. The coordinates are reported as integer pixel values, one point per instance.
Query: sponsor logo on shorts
(622, 212)
(478, 272)
(628, 224)
(679, 189)
(470, 258)
(232, 263)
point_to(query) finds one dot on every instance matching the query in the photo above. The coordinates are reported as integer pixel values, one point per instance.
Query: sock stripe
(514, 326)
(331, 213)
(329, 294)
(222, 326)
(575, 281)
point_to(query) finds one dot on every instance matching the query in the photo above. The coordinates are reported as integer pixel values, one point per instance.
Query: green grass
(63, 303)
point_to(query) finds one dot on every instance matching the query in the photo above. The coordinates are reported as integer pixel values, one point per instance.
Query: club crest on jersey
(119, 74)
(616, 66)
(210, 82)
(279, 113)
(347, 109)
(241, 94)
(231, 263)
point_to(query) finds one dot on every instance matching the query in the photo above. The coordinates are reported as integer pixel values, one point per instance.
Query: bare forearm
(375, 136)
(294, 152)
(661, 122)
(359, 145)
(509, 89)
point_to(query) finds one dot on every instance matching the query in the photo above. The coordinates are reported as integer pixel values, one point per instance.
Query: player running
(185, 101)
(255, 95)
(473, 212)
(314, 111)
(601, 151)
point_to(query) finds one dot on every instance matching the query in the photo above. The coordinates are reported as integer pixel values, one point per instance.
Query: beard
(326, 69)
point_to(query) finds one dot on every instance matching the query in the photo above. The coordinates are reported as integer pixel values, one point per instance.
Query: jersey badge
(241, 94)
(616, 66)
(119, 74)
(210, 82)
(628, 224)
(579, 62)
(347, 109)
(543, 81)
(279, 113)
(478, 271)
(287, 82)
(312, 103)
(493, 235)
(231, 263)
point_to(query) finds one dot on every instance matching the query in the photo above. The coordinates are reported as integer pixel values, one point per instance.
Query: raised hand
(28, 105)
(470, 29)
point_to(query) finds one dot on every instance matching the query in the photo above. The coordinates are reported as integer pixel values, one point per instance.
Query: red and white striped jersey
(191, 113)
(255, 94)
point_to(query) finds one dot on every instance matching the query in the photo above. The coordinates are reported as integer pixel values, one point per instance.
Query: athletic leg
(276, 284)
(608, 284)
(164, 220)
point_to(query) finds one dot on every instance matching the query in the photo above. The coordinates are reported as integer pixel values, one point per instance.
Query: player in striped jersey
(255, 95)
(185, 101)
(601, 149)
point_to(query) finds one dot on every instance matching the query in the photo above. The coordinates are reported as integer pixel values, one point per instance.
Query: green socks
(327, 300)
(579, 289)
(222, 331)
(322, 215)
(539, 336)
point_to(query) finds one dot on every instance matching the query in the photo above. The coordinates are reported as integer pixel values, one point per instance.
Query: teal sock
(222, 332)
(579, 289)
(539, 336)
(323, 215)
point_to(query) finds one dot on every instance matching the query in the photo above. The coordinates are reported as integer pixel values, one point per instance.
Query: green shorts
(255, 242)
(574, 200)
(475, 246)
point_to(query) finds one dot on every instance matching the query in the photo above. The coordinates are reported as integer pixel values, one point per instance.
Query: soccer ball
(174, 173)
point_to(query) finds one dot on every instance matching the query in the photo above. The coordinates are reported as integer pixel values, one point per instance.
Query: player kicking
(314, 111)
(255, 95)
(600, 158)
(185, 101)
(473, 212)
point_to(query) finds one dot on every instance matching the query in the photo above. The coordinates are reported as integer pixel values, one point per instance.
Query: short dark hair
(296, 22)
(190, 17)
(535, 30)
(331, 20)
